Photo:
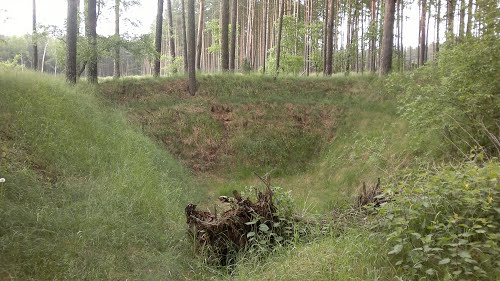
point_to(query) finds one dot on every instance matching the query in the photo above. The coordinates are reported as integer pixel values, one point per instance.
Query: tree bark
(171, 31)
(280, 30)
(438, 23)
(159, 23)
(469, 19)
(265, 22)
(349, 38)
(71, 37)
(92, 40)
(325, 34)
(191, 48)
(461, 30)
(421, 42)
(200, 33)
(387, 41)
(35, 39)
(224, 42)
(373, 37)
(234, 24)
(329, 39)
(184, 37)
(450, 17)
(43, 56)
(116, 61)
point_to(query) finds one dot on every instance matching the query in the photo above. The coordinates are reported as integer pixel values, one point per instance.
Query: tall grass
(321, 137)
(355, 255)
(86, 196)
(322, 165)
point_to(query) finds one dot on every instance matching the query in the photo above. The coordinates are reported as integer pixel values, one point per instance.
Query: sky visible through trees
(15, 21)
(298, 37)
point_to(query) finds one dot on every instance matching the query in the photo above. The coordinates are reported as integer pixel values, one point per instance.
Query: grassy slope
(366, 141)
(86, 196)
(89, 197)
(320, 137)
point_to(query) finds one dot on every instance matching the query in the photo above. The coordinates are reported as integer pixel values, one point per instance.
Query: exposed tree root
(228, 231)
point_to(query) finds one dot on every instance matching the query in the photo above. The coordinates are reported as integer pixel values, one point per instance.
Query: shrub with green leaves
(444, 223)
(456, 97)
(266, 235)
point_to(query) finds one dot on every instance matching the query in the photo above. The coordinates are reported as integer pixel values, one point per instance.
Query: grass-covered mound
(320, 137)
(86, 196)
(235, 124)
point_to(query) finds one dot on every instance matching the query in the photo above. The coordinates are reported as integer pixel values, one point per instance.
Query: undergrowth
(85, 195)
(444, 222)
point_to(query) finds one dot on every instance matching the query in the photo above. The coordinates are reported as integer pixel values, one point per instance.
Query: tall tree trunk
(92, 40)
(171, 36)
(159, 25)
(387, 41)
(450, 17)
(116, 65)
(427, 34)
(280, 30)
(309, 44)
(266, 23)
(398, 21)
(184, 37)
(71, 37)
(349, 38)
(403, 55)
(355, 38)
(438, 23)
(329, 39)
(43, 56)
(421, 40)
(200, 33)
(380, 4)
(191, 48)
(469, 19)
(373, 36)
(224, 42)
(35, 39)
(325, 34)
(363, 15)
(461, 30)
(234, 24)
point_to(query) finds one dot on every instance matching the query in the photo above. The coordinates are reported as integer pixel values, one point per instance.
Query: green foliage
(456, 97)
(444, 222)
(352, 255)
(213, 26)
(86, 196)
(10, 64)
(292, 47)
(266, 236)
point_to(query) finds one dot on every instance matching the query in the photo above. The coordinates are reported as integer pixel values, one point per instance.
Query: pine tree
(159, 25)
(224, 21)
(91, 26)
(34, 39)
(388, 38)
(71, 37)
(191, 48)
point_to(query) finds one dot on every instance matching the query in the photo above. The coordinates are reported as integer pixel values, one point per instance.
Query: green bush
(444, 223)
(456, 97)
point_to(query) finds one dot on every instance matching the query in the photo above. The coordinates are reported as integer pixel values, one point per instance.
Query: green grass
(86, 196)
(92, 194)
(355, 255)
(319, 137)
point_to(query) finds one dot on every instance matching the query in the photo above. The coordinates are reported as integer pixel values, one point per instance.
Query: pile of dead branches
(372, 195)
(227, 233)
